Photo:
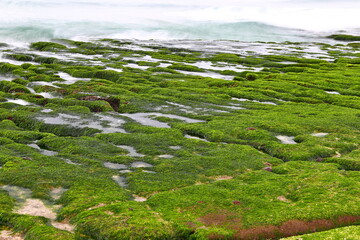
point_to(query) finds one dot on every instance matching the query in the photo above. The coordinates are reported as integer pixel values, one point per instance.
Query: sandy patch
(283, 199)
(139, 199)
(219, 178)
(97, 206)
(64, 225)
(36, 207)
(337, 155)
(8, 235)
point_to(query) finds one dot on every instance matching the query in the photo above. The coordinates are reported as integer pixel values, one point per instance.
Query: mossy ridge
(256, 128)
(34, 228)
(7, 203)
(344, 37)
(241, 203)
(81, 146)
(348, 161)
(47, 46)
(44, 172)
(194, 161)
(126, 220)
(26, 120)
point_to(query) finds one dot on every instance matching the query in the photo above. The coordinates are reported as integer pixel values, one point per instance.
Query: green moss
(33, 227)
(6, 202)
(344, 37)
(7, 68)
(213, 187)
(20, 81)
(6, 86)
(20, 57)
(47, 46)
(186, 68)
(128, 220)
(257, 193)
(85, 146)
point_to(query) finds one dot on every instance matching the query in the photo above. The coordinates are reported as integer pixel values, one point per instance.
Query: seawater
(255, 20)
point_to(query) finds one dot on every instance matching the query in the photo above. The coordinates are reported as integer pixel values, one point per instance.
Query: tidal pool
(132, 151)
(43, 151)
(104, 123)
(319, 134)
(175, 147)
(189, 109)
(208, 74)
(42, 83)
(286, 139)
(139, 164)
(48, 95)
(256, 101)
(70, 79)
(146, 119)
(194, 137)
(115, 165)
(166, 156)
(6, 77)
(19, 101)
(120, 180)
(19, 193)
(71, 162)
(114, 69)
(133, 65)
(333, 92)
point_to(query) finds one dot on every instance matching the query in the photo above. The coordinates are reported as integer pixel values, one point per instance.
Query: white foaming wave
(33, 20)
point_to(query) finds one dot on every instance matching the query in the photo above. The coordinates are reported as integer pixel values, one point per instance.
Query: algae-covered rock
(145, 141)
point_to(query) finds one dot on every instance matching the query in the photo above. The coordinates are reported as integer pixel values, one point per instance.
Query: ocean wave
(257, 20)
(243, 31)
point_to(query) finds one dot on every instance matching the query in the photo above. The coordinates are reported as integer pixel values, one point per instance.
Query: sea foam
(257, 20)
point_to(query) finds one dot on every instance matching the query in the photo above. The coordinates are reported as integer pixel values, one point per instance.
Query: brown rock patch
(262, 232)
(293, 227)
(222, 218)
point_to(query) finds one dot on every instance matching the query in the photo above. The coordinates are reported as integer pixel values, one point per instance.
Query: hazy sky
(303, 14)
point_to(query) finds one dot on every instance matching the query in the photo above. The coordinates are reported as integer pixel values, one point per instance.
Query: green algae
(344, 37)
(262, 198)
(236, 176)
(47, 46)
